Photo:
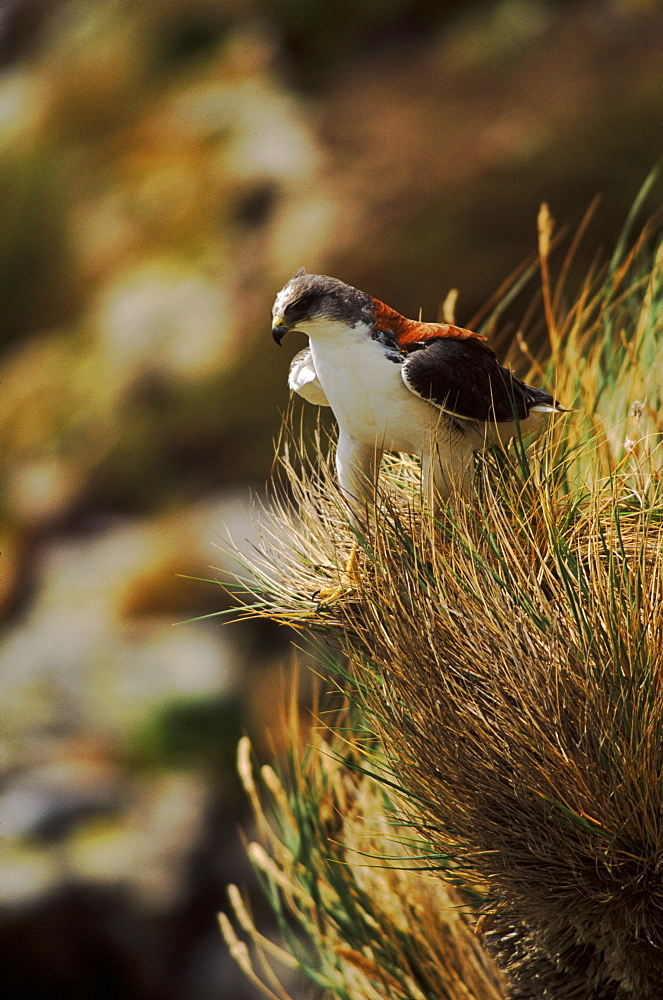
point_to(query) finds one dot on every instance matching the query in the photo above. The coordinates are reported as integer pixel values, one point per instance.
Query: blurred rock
(166, 320)
(48, 801)
(96, 645)
(149, 847)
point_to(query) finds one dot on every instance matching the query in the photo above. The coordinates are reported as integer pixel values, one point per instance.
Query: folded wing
(465, 379)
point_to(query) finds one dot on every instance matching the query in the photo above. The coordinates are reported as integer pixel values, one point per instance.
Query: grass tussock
(374, 925)
(509, 652)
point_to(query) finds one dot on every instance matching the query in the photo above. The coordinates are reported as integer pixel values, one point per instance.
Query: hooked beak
(279, 329)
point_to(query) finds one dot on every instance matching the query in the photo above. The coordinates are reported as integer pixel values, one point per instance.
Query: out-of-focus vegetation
(164, 168)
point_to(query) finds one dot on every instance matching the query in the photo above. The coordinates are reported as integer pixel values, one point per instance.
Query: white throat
(335, 332)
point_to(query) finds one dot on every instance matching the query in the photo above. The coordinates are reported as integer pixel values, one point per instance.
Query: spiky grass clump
(514, 671)
(373, 926)
(509, 654)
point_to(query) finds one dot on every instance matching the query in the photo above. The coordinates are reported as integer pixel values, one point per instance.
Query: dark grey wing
(465, 379)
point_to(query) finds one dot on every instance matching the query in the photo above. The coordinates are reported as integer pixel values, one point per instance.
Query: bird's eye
(300, 306)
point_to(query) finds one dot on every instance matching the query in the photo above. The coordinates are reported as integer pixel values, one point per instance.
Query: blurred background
(164, 169)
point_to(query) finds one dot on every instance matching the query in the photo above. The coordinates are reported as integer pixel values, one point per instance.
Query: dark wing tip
(539, 399)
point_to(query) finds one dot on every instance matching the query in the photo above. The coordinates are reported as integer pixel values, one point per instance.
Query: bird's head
(317, 304)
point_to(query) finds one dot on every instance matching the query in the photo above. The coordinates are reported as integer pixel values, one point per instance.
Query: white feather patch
(303, 379)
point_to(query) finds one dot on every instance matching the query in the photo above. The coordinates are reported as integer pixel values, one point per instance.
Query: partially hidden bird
(394, 384)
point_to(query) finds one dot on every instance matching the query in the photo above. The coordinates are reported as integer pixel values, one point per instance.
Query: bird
(394, 384)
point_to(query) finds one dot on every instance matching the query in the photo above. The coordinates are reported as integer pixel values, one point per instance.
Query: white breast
(366, 392)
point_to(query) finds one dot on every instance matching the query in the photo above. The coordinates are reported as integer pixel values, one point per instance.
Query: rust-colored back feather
(409, 331)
